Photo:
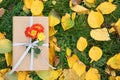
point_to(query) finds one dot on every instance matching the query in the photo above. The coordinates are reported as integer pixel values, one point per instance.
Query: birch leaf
(116, 26)
(28, 3)
(92, 74)
(22, 75)
(70, 74)
(106, 7)
(95, 53)
(82, 44)
(68, 51)
(71, 60)
(8, 57)
(79, 67)
(95, 19)
(54, 19)
(114, 62)
(78, 8)
(37, 7)
(100, 34)
(90, 1)
(52, 31)
(67, 22)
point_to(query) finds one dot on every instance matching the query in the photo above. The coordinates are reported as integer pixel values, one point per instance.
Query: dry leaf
(28, 3)
(1, 12)
(90, 1)
(2, 35)
(52, 31)
(22, 75)
(78, 8)
(106, 7)
(69, 74)
(54, 19)
(82, 44)
(117, 77)
(71, 60)
(95, 19)
(67, 22)
(114, 62)
(92, 74)
(110, 71)
(100, 34)
(68, 51)
(8, 57)
(95, 53)
(79, 67)
(116, 26)
(111, 30)
(37, 7)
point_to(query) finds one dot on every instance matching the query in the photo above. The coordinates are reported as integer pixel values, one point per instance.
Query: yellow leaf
(78, 8)
(81, 44)
(79, 67)
(114, 62)
(37, 7)
(54, 19)
(111, 30)
(106, 7)
(117, 78)
(8, 57)
(67, 22)
(100, 34)
(90, 1)
(44, 74)
(73, 15)
(95, 19)
(92, 74)
(70, 74)
(52, 31)
(68, 51)
(117, 26)
(95, 53)
(28, 3)
(55, 74)
(22, 75)
(71, 60)
(2, 35)
(112, 78)
(110, 0)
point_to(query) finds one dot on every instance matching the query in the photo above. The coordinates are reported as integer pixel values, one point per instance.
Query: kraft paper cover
(19, 26)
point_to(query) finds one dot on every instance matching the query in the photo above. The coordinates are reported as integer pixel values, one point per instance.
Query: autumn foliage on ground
(84, 38)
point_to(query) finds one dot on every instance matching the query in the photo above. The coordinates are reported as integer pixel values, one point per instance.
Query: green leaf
(40, 43)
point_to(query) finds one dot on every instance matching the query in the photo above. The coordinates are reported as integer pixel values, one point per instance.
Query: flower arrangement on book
(36, 33)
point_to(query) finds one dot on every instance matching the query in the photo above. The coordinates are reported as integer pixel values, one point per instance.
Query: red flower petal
(38, 27)
(27, 31)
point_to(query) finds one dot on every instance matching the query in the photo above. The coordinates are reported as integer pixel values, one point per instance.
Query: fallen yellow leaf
(70, 74)
(106, 7)
(55, 74)
(95, 19)
(71, 60)
(67, 22)
(100, 34)
(79, 67)
(52, 31)
(54, 19)
(116, 26)
(90, 1)
(114, 62)
(68, 51)
(2, 35)
(82, 44)
(78, 8)
(95, 53)
(117, 78)
(112, 78)
(37, 7)
(8, 57)
(92, 74)
(28, 3)
(22, 75)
